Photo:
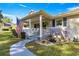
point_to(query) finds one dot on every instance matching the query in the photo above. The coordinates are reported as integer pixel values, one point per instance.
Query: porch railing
(52, 30)
(47, 31)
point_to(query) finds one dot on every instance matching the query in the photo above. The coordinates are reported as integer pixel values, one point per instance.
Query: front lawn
(6, 40)
(68, 49)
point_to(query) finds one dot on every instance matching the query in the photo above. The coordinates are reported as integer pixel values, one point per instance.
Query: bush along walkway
(19, 49)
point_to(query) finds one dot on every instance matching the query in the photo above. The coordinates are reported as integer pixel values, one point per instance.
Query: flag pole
(18, 27)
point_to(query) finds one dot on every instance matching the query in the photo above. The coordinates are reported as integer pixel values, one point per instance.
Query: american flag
(19, 26)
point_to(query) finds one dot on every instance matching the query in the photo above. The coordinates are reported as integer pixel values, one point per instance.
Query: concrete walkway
(19, 49)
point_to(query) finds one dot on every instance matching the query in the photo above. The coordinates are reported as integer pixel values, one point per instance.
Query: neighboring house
(43, 24)
(5, 27)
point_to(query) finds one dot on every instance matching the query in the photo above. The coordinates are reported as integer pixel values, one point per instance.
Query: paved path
(19, 49)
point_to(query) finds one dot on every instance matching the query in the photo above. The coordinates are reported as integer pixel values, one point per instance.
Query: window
(53, 23)
(64, 21)
(59, 22)
(25, 25)
(36, 25)
(44, 24)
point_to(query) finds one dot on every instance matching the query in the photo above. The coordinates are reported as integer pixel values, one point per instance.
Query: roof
(7, 24)
(41, 12)
(69, 13)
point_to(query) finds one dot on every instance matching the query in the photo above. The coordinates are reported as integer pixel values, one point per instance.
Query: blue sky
(14, 10)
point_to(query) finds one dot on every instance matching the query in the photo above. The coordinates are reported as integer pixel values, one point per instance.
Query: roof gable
(41, 12)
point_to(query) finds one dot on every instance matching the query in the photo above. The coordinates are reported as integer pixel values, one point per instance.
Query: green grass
(67, 49)
(6, 40)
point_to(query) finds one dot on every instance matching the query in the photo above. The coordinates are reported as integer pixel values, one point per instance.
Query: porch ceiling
(36, 20)
(41, 12)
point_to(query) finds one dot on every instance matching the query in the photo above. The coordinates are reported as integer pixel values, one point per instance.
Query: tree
(1, 16)
(6, 20)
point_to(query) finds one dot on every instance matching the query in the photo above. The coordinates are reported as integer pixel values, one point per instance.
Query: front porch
(41, 25)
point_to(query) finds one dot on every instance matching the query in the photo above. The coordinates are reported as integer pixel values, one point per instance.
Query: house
(42, 24)
(5, 27)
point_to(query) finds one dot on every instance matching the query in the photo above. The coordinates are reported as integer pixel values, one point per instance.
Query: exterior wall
(72, 19)
(73, 24)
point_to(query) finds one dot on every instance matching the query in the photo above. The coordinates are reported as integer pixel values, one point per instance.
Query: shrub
(52, 40)
(43, 41)
(5, 29)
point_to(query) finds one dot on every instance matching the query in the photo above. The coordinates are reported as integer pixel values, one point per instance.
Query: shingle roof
(41, 12)
(69, 13)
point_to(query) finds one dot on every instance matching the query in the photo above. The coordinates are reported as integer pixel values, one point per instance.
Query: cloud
(73, 8)
(22, 5)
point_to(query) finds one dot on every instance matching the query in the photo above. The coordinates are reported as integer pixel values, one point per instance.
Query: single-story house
(42, 24)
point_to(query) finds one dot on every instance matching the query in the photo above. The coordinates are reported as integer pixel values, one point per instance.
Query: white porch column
(40, 18)
(30, 26)
(62, 23)
(55, 23)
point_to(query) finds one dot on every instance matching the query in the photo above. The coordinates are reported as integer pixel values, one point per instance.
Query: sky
(20, 10)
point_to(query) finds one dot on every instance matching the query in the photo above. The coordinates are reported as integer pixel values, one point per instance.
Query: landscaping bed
(6, 40)
(66, 49)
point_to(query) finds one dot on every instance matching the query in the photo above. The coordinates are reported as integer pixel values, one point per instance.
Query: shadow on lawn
(74, 51)
(44, 50)
(69, 49)
(5, 46)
